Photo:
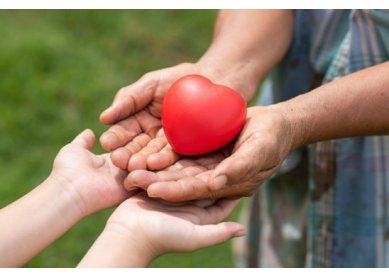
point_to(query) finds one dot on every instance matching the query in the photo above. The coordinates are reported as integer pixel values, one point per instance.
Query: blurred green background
(58, 70)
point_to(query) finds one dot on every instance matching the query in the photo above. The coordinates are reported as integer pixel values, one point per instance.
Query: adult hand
(136, 117)
(236, 171)
(136, 137)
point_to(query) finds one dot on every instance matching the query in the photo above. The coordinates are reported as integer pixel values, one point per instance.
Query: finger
(140, 179)
(195, 188)
(131, 99)
(184, 189)
(219, 211)
(138, 160)
(124, 131)
(85, 139)
(236, 168)
(120, 134)
(121, 156)
(163, 159)
(133, 148)
(209, 235)
(182, 169)
(143, 178)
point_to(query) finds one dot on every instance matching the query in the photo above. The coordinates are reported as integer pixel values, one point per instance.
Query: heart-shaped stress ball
(199, 116)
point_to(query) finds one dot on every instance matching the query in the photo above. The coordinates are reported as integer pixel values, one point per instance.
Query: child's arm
(142, 229)
(34, 221)
(80, 183)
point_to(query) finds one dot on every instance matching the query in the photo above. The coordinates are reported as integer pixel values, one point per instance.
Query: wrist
(116, 247)
(243, 76)
(67, 202)
(295, 121)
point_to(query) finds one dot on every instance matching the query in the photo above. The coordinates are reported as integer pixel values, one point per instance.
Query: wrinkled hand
(158, 227)
(235, 171)
(92, 181)
(136, 138)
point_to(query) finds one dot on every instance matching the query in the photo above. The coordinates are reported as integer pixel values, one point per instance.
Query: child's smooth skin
(142, 229)
(82, 183)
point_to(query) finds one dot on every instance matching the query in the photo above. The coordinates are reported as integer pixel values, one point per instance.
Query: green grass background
(58, 71)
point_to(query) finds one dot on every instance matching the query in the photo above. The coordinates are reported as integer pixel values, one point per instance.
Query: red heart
(199, 116)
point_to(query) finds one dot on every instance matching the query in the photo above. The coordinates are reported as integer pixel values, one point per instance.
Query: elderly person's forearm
(355, 105)
(247, 45)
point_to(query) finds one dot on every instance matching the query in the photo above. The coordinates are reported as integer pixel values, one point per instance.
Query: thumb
(212, 234)
(131, 99)
(85, 139)
(234, 168)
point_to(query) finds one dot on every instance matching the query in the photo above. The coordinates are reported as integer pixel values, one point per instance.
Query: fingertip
(91, 137)
(164, 190)
(234, 229)
(140, 179)
(161, 160)
(106, 116)
(212, 234)
(155, 191)
(109, 140)
(217, 182)
(89, 133)
(137, 162)
(240, 230)
(86, 139)
(240, 233)
(120, 158)
(156, 161)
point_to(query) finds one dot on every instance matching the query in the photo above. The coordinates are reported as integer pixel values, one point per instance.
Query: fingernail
(109, 140)
(219, 181)
(152, 192)
(240, 233)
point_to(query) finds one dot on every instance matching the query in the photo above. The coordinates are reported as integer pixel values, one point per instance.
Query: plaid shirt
(328, 206)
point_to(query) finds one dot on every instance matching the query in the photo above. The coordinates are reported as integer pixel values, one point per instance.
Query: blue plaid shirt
(329, 204)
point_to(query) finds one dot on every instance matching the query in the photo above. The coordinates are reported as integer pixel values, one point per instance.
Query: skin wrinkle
(131, 99)
(120, 132)
(230, 58)
(130, 149)
(153, 146)
(163, 157)
(139, 142)
(150, 131)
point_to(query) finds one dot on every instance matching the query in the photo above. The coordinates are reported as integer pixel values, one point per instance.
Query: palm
(94, 179)
(175, 227)
(136, 134)
(187, 179)
(248, 161)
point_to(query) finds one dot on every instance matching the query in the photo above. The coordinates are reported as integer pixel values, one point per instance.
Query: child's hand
(91, 180)
(141, 229)
(80, 183)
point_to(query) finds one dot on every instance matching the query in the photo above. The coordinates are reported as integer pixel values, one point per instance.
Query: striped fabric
(332, 208)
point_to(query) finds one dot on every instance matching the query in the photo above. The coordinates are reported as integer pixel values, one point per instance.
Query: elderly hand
(235, 171)
(136, 134)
